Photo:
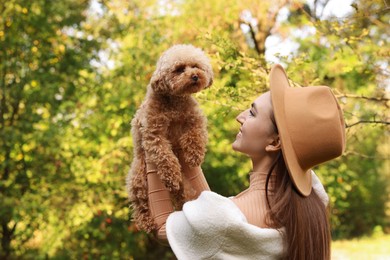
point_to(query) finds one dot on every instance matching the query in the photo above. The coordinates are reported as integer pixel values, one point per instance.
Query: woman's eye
(251, 113)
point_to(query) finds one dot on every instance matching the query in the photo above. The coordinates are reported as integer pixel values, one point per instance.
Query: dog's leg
(158, 147)
(194, 139)
(137, 183)
(139, 197)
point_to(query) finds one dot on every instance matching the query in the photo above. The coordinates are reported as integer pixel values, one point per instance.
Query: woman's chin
(235, 146)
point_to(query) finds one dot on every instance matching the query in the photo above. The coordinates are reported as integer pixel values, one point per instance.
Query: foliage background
(73, 73)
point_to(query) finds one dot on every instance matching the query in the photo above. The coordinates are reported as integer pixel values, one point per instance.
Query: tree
(41, 53)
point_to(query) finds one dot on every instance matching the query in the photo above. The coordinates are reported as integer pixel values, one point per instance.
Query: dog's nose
(195, 77)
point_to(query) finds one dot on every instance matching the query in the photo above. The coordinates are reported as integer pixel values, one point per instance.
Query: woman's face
(257, 129)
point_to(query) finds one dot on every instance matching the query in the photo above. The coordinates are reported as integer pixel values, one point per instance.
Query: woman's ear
(275, 146)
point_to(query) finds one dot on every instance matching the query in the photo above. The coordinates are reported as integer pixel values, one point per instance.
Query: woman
(282, 214)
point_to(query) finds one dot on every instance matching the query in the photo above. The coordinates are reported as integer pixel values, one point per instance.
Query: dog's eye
(180, 69)
(195, 67)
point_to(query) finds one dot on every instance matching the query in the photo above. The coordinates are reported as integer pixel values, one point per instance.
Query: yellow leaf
(114, 132)
(61, 48)
(19, 157)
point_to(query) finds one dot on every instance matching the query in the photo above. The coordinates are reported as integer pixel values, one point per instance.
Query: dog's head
(182, 70)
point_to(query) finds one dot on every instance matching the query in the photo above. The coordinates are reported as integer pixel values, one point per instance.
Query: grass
(367, 248)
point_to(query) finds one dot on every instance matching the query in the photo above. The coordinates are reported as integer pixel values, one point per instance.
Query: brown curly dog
(169, 125)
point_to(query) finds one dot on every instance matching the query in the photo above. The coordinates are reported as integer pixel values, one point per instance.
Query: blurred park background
(73, 72)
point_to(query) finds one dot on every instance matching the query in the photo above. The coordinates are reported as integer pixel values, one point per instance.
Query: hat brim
(279, 85)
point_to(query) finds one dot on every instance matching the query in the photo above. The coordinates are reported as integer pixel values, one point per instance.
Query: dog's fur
(169, 125)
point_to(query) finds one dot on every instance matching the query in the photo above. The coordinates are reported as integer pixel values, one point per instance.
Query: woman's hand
(193, 175)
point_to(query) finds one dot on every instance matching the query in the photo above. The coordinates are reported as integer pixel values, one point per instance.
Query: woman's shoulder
(213, 226)
(319, 188)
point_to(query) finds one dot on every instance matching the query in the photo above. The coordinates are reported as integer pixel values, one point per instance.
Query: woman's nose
(242, 116)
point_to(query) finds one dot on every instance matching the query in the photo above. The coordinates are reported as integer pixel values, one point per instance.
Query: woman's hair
(305, 219)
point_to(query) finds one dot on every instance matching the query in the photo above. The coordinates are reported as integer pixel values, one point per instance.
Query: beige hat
(311, 126)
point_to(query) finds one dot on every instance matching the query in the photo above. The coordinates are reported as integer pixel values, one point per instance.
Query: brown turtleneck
(252, 201)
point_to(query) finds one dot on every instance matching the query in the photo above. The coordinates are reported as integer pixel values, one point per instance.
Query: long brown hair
(305, 219)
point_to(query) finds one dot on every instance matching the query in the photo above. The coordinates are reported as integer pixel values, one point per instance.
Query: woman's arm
(159, 197)
(160, 203)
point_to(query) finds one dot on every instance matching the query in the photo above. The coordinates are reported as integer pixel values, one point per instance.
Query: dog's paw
(170, 174)
(193, 145)
(193, 158)
(194, 154)
(174, 186)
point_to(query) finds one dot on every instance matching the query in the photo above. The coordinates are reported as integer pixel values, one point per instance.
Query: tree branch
(379, 99)
(275, 14)
(13, 228)
(253, 35)
(346, 153)
(368, 122)
(323, 9)
(264, 28)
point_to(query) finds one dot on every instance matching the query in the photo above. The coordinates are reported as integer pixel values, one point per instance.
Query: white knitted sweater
(213, 227)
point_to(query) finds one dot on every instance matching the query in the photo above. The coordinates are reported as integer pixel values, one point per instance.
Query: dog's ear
(210, 82)
(158, 84)
(210, 74)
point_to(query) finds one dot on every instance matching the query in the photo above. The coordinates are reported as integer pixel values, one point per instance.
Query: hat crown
(315, 123)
